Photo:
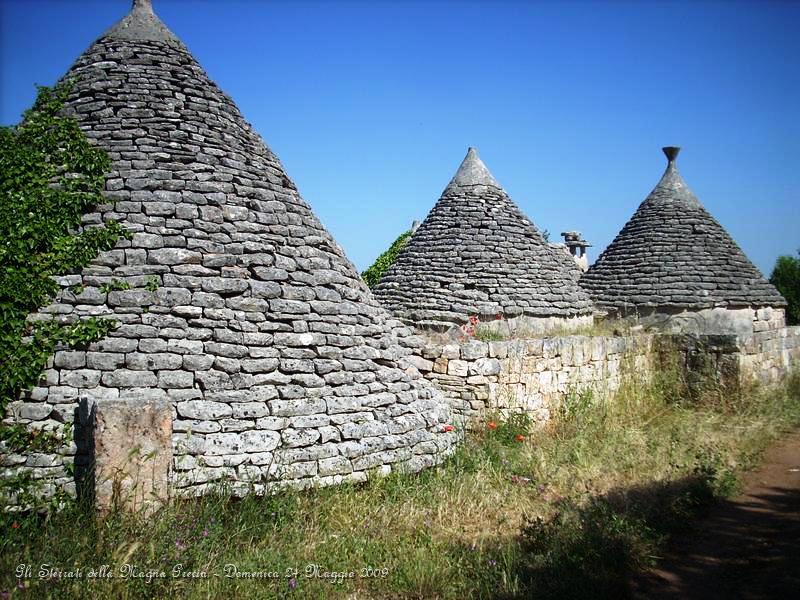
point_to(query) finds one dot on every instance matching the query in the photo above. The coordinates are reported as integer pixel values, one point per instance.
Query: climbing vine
(50, 175)
(374, 273)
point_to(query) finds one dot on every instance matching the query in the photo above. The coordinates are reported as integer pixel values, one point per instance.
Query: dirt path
(748, 547)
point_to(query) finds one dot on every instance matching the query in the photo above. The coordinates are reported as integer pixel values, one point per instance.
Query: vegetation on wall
(374, 273)
(49, 177)
(786, 277)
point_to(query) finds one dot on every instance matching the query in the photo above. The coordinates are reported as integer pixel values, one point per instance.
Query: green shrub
(49, 177)
(786, 277)
(374, 273)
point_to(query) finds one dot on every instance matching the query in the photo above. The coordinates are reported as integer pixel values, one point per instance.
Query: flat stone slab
(133, 454)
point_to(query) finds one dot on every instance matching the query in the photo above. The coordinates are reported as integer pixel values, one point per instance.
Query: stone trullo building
(477, 254)
(674, 266)
(243, 314)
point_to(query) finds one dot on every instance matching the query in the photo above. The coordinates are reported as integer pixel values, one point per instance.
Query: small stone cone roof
(673, 254)
(255, 301)
(476, 253)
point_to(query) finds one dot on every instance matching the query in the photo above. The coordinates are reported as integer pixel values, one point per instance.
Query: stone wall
(769, 355)
(533, 375)
(765, 356)
(741, 322)
(253, 439)
(530, 375)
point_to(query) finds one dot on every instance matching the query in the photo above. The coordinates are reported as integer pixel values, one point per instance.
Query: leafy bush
(374, 273)
(786, 277)
(49, 177)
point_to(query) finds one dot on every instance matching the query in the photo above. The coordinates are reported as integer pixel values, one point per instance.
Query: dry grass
(578, 504)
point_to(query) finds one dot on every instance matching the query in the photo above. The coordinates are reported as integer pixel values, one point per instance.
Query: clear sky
(371, 105)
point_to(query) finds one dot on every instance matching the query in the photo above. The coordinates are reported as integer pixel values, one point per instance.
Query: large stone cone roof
(673, 254)
(476, 253)
(261, 331)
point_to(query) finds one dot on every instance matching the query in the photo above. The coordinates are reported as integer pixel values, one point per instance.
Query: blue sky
(371, 105)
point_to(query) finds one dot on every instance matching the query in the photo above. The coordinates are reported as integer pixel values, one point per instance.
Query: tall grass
(565, 511)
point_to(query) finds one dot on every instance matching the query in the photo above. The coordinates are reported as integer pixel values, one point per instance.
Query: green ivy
(152, 284)
(50, 175)
(373, 275)
(115, 285)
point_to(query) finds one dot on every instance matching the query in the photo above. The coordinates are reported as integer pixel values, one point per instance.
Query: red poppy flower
(520, 438)
(448, 428)
(15, 525)
(491, 425)
(499, 317)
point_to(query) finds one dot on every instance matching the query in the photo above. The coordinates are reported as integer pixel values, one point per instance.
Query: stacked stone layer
(531, 375)
(673, 254)
(233, 301)
(477, 254)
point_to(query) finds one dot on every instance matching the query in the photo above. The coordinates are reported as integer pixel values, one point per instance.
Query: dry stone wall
(770, 354)
(530, 375)
(535, 375)
(765, 356)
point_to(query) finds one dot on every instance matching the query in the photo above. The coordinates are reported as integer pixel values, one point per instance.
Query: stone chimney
(576, 246)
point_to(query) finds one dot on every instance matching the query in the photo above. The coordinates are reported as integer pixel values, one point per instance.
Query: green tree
(786, 277)
(374, 273)
(50, 175)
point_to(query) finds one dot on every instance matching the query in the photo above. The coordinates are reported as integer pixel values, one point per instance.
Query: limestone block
(203, 409)
(32, 411)
(296, 407)
(133, 454)
(418, 362)
(293, 438)
(450, 351)
(474, 349)
(440, 365)
(459, 368)
(335, 466)
(485, 366)
(498, 349)
(81, 378)
(195, 426)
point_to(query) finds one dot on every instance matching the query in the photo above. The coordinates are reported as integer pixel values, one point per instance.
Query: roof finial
(671, 152)
(143, 5)
(473, 172)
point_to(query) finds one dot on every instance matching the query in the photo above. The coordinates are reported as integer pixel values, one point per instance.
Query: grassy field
(565, 512)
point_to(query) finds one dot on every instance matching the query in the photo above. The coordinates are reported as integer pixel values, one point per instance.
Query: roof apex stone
(142, 23)
(672, 187)
(473, 172)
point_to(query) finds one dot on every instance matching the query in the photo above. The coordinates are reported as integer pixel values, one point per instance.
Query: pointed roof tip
(671, 152)
(142, 24)
(142, 5)
(473, 172)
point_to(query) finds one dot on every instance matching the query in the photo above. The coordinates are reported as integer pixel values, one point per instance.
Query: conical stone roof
(277, 358)
(673, 254)
(476, 253)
